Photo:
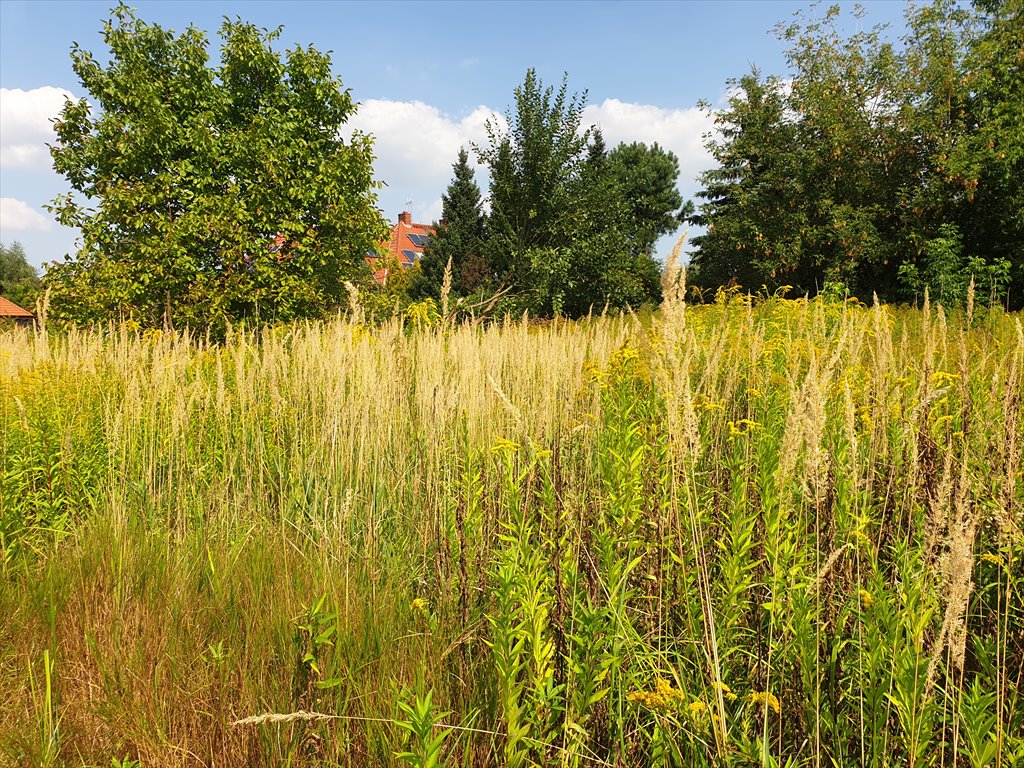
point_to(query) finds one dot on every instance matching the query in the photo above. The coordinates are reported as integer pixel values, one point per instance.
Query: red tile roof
(10, 309)
(401, 247)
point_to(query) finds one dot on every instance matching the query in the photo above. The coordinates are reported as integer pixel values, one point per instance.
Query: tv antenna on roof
(408, 203)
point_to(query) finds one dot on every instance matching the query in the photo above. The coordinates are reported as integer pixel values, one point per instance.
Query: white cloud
(17, 215)
(679, 130)
(416, 142)
(415, 145)
(25, 126)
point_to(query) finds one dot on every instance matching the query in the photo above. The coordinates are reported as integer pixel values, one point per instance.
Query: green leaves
(572, 226)
(220, 193)
(849, 169)
(421, 724)
(18, 279)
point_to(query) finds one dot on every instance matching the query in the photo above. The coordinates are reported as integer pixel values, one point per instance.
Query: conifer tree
(459, 237)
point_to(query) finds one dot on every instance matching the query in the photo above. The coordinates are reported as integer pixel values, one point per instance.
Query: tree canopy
(571, 226)
(19, 281)
(889, 169)
(209, 193)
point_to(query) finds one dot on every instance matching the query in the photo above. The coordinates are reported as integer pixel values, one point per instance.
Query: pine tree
(459, 237)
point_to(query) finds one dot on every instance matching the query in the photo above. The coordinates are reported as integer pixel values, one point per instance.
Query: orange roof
(10, 309)
(405, 245)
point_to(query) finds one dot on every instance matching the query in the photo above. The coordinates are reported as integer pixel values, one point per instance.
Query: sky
(427, 76)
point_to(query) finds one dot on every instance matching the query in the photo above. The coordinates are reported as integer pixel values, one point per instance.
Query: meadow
(750, 533)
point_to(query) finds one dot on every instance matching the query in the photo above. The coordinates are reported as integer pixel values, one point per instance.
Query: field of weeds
(780, 534)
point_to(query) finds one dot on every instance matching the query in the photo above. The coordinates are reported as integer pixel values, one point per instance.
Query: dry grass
(735, 534)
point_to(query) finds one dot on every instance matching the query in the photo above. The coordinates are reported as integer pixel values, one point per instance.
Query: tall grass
(781, 533)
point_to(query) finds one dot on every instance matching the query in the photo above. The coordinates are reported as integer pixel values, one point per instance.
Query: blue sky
(427, 75)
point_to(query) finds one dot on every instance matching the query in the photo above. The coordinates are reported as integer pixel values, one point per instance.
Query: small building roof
(408, 239)
(405, 245)
(10, 309)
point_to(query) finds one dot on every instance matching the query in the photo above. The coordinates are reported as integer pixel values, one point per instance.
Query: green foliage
(572, 226)
(209, 194)
(756, 173)
(19, 281)
(850, 168)
(421, 724)
(948, 274)
(757, 532)
(315, 632)
(534, 164)
(50, 460)
(459, 238)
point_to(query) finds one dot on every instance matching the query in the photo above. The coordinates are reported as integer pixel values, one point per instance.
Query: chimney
(405, 218)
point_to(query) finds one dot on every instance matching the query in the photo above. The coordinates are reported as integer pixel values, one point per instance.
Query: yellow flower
(866, 600)
(765, 699)
(593, 373)
(624, 356)
(697, 708)
(741, 427)
(700, 403)
(647, 698)
(420, 605)
(727, 694)
(662, 696)
(996, 559)
(664, 688)
(502, 445)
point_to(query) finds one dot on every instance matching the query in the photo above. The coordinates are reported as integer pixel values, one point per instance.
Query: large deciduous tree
(889, 169)
(207, 193)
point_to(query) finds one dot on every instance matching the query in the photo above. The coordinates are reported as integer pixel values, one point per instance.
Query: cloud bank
(18, 216)
(679, 130)
(416, 144)
(25, 126)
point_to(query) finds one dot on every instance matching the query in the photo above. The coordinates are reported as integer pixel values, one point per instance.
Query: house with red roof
(11, 311)
(405, 247)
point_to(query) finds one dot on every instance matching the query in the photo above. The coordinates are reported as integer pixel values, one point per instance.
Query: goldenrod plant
(754, 532)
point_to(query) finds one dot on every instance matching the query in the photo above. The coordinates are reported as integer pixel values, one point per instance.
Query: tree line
(571, 226)
(875, 167)
(212, 193)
